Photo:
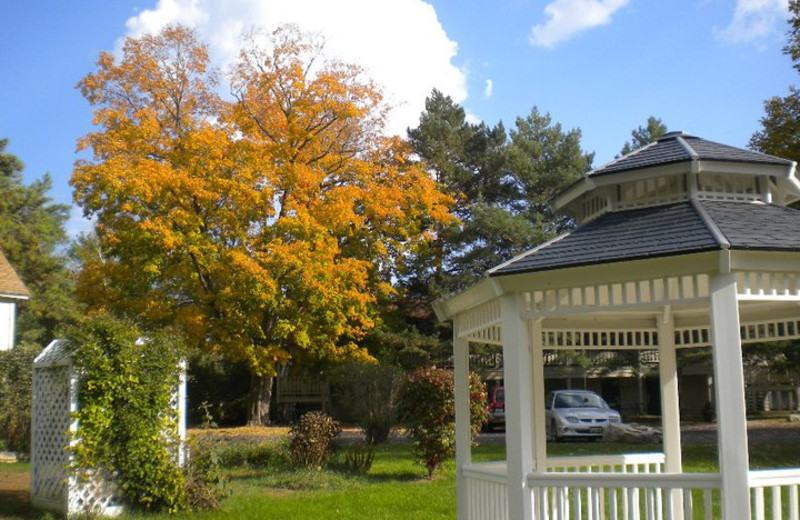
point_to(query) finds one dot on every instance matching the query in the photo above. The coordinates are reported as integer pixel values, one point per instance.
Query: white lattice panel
(588, 339)
(54, 401)
(750, 332)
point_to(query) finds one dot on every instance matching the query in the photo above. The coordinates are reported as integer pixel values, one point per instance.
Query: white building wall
(8, 316)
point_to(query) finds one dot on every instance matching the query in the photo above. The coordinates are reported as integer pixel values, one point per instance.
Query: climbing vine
(127, 426)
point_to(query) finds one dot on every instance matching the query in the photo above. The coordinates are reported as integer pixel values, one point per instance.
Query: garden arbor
(683, 243)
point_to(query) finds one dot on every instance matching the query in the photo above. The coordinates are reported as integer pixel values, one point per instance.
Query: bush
(359, 458)
(127, 426)
(16, 380)
(367, 394)
(258, 455)
(206, 485)
(312, 439)
(427, 408)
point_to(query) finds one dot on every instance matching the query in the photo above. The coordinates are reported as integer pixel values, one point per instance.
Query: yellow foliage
(266, 227)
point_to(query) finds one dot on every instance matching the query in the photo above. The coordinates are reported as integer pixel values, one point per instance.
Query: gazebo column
(726, 347)
(519, 417)
(463, 437)
(539, 414)
(670, 406)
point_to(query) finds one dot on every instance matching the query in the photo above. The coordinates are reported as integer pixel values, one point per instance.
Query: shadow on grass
(16, 505)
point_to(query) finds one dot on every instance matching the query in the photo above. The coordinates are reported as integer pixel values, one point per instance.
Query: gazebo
(683, 243)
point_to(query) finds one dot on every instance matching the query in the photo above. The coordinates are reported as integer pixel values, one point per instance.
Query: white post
(726, 347)
(519, 435)
(463, 437)
(670, 407)
(539, 417)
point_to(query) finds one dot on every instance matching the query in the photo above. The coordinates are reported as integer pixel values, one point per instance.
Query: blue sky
(702, 66)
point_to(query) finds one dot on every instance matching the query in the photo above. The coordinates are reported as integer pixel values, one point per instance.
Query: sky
(604, 66)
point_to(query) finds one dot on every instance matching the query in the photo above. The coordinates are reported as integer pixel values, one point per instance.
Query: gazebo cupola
(683, 243)
(680, 167)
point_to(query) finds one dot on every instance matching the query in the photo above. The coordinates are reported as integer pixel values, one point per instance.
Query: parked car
(497, 408)
(577, 414)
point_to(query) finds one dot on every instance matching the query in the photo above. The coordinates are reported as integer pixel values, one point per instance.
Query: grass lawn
(394, 489)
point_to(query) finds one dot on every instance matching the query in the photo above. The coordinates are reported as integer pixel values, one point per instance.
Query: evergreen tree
(31, 237)
(642, 136)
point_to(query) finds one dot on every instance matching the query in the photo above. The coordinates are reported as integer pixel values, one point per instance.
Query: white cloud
(570, 17)
(488, 88)
(400, 43)
(754, 21)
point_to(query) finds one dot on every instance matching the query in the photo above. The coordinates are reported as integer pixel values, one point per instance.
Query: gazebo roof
(677, 147)
(673, 229)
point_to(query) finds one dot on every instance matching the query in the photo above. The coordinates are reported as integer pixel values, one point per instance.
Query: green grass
(395, 488)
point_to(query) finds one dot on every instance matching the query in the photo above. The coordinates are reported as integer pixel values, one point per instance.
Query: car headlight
(571, 419)
(614, 419)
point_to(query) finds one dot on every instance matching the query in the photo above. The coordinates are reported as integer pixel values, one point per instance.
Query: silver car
(577, 414)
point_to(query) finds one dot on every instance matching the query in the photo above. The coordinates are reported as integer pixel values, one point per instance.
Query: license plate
(595, 429)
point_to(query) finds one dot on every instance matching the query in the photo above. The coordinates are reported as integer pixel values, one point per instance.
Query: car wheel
(554, 432)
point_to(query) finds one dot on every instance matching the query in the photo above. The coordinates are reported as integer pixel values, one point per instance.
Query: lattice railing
(765, 285)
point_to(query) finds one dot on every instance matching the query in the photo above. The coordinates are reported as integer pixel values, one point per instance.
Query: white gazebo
(683, 243)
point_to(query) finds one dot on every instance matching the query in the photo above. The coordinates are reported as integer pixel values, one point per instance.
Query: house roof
(676, 147)
(10, 284)
(673, 229)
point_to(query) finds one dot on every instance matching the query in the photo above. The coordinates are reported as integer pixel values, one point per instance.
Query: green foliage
(255, 455)
(206, 484)
(427, 408)
(780, 127)
(127, 426)
(16, 380)
(642, 136)
(359, 458)
(31, 233)
(367, 394)
(312, 439)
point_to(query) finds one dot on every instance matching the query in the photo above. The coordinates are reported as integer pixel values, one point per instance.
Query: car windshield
(579, 400)
(500, 396)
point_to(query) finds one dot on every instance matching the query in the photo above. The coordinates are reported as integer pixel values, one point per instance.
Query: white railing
(487, 491)
(625, 487)
(781, 501)
(624, 496)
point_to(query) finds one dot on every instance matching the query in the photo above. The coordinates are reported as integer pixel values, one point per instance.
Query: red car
(497, 408)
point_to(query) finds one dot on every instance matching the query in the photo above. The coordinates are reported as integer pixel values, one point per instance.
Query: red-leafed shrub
(427, 409)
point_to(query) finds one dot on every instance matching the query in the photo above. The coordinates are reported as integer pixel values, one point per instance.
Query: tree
(780, 126)
(266, 228)
(31, 234)
(642, 136)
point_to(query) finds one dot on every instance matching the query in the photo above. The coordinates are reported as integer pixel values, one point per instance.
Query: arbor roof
(10, 284)
(673, 229)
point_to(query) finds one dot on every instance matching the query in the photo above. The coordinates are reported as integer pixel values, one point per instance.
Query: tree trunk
(260, 397)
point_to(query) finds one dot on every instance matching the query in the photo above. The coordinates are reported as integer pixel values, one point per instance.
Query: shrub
(258, 455)
(127, 426)
(16, 380)
(367, 394)
(427, 408)
(359, 458)
(206, 485)
(312, 439)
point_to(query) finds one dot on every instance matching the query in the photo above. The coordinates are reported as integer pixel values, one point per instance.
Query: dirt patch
(762, 431)
(14, 483)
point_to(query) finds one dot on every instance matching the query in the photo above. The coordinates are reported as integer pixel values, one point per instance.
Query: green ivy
(127, 426)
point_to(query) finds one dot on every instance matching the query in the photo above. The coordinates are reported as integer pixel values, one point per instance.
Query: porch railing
(774, 494)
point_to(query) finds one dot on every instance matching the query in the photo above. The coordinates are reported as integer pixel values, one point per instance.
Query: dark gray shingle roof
(668, 230)
(676, 147)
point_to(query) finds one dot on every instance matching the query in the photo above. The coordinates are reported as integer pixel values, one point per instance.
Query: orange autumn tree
(266, 227)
